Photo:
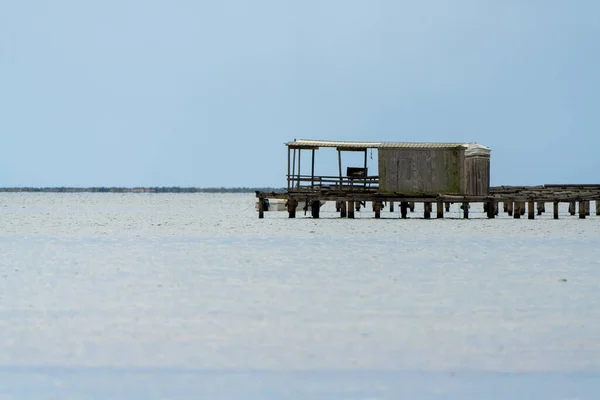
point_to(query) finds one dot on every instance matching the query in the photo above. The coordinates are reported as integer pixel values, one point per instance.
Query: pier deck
(515, 199)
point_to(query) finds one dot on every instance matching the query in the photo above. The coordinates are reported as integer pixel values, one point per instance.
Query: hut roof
(470, 148)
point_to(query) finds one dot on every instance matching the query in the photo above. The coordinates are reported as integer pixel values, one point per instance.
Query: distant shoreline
(138, 190)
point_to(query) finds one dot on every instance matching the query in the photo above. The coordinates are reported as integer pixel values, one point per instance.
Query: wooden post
(440, 209)
(427, 210)
(505, 206)
(312, 170)
(510, 208)
(555, 206)
(343, 212)
(315, 207)
(447, 206)
(350, 208)
(299, 155)
(572, 208)
(587, 207)
(597, 207)
(466, 210)
(403, 209)
(531, 209)
(261, 207)
(288, 174)
(541, 207)
(523, 208)
(517, 210)
(292, 183)
(581, 209)
(496, 207)
(491, 212)
(340, 166)
(365, 168)
(391, 206)
(291, 206)
(411, 206)
(377, 207)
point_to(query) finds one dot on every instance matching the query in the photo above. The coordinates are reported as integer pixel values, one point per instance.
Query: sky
(206, 93)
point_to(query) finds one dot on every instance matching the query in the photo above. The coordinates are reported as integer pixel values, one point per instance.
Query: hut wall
(416, 171)
(477, 170)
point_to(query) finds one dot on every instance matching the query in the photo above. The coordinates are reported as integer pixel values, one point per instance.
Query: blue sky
(205, 93)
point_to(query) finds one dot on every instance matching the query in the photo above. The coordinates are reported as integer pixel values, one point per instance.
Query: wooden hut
(406, 168)
(431, 168)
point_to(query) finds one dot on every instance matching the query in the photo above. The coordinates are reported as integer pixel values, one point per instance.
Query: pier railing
(332, 183)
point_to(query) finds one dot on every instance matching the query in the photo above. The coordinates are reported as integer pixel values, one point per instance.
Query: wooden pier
(430, 174)
(515, 201)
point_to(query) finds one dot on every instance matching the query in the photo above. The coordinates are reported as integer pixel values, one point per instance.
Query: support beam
(312, 169)
(343, 212)
(491, 210)
(350, 208)
(523, 208)
(411, 206)
(517, 210)
(541, 207)
(315, 207)
(261, 208)
(377, 206)
(288, 170)
(340, 166)
(440, 209)
(510, 207)
(555, 209)
(572, 208)
(403, 209)
(587, 207)
(391, 206)
(465, 210)
(447, 206)
(530, 209)
(427, 210)
(291, 206)
(598, 207)
(581, 209)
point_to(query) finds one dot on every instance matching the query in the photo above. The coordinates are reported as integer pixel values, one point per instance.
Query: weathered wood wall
(414, 171)
(477, 170)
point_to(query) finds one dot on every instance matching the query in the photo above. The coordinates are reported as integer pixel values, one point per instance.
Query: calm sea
(189, 296)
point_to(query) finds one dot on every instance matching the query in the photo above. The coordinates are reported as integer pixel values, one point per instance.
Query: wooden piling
(510, 206)
(587, 207)
(541, 207)
(505, 206)
(411, 206)
(261, 207)
(572, 208)
(522, 205)
(440, 209)
(377, 205)
(403, 209)
(427, 210)
(447, 206)
(291, 207)
(517, 210)
(466, 210)
(581, 209)
(350, 208)
(391, 206)
(490, 208)
(343, 212)
(555, 209)
(315, 207)
(597, 207)
(531, 209)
